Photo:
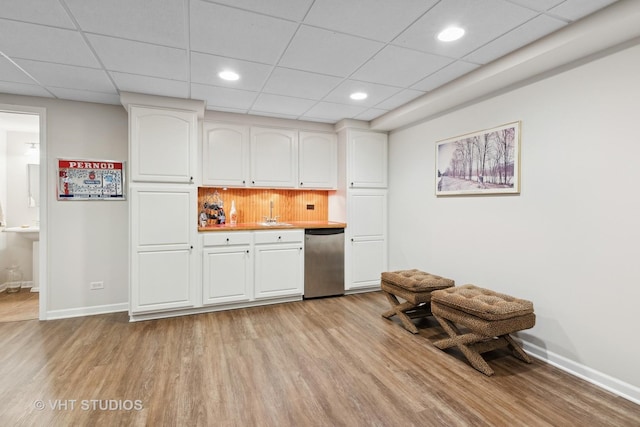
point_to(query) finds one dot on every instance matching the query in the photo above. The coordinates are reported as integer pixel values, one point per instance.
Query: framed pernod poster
(90, 180)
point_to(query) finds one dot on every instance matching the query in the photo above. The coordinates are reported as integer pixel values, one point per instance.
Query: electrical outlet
(311, 207)
(96, 285)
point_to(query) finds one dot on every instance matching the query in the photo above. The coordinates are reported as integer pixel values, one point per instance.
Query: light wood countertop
(247, 226)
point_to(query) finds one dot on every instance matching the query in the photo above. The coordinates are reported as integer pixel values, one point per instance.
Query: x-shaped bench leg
(464, 342)
(399, 309)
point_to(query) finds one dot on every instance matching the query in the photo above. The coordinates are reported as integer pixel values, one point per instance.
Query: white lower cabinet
(163, 265)
(227, 268)
(279, 263)
(366, 248)
(251, 266)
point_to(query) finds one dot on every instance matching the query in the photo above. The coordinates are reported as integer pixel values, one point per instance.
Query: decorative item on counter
(233, 215)
(221, 217)
(203, 219)
(14, 279)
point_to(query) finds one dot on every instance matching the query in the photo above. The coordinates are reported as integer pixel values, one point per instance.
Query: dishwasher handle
(323, 231)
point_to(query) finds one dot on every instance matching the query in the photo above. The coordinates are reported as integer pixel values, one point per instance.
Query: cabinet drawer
(279, 236)
(226, 239)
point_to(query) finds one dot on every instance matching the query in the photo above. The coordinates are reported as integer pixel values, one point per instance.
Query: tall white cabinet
(361, 200)
(163, 198)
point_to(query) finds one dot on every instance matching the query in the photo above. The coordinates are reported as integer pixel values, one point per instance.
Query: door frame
(44, 197)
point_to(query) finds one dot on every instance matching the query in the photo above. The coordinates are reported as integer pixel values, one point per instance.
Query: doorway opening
(22, 213)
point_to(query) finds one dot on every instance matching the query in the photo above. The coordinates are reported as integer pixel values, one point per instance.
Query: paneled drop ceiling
(298, 59)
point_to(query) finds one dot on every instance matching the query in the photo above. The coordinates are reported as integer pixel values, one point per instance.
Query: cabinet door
(366, 249)
(227, 274)
(163, 229)
(318, 160)
(225, 155)
(274, 157)
(367, 213)
(367, 159)
(368, 261)
(279, 270)
(162, 144)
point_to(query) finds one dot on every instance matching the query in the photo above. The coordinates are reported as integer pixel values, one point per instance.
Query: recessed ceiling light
(228, 75)
(358, 96)
(450, 34)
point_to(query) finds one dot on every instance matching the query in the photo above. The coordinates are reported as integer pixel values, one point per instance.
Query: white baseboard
(87, 311)
(600, 379)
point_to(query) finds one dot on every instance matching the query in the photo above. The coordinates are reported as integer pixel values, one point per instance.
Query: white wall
(568, 242)
(87, 240)
(17, 210)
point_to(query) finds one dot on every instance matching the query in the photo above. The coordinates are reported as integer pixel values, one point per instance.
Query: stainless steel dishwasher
(323, 262)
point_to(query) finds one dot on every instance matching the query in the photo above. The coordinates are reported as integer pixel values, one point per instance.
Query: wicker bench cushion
(416, 281)
(483, 303)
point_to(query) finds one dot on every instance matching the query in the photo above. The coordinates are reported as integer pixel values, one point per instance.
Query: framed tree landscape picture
(483, 162)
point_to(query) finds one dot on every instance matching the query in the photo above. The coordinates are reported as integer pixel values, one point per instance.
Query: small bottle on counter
(233, 215)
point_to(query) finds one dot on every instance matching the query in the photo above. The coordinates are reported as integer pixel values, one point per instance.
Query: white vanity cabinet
(274, 157)
(225, 155)
(227, 267)
(367, 159)
(279, 263)
(163, 267)
(318, 160)
(162, 144)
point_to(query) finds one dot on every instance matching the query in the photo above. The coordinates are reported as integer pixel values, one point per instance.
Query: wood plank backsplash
(253, 204)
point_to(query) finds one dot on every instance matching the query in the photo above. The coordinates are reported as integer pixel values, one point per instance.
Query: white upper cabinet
(318, 160)
(367, 159)
(274, 157)
(225, 155)
(162, 144)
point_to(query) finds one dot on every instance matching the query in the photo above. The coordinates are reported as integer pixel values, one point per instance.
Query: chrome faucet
(271, 219)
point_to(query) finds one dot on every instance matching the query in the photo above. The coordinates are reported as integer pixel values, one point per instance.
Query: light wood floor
(327, 362)
(18, 306)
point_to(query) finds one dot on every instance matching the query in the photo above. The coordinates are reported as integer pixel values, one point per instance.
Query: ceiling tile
(205, 69)
(326, 52)
(287, 9)
(576, 9)
(301, 84)
(536, 28)
(223, 97)
(30, 41)
(483, 21)
(140, 58)
(539, 5)
(24, 89)
(331, 111)
(347, 16)
(399, 99)
(68, 76)
(399, 66)
(45, 12)
(10, 73)
(281, 105)
(154, 21)
(86, 96)
(375, 93)
(226, 31)
(445, 75)
(150, 85)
